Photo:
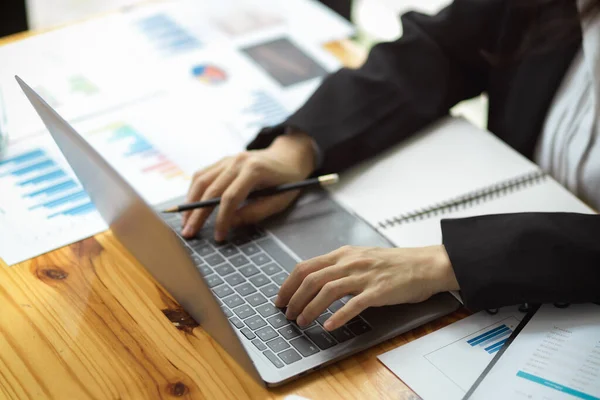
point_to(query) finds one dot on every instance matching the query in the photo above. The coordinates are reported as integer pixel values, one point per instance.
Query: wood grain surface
(88, 322)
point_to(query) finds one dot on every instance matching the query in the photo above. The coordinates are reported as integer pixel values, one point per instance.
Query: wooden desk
(88, 322)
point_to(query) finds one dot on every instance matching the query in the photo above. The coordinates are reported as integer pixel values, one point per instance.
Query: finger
(199, 216)
(231, 199)
(302, 270)
(260, 209)
(351, 309)
(200, 183)
(311, 286)
(330, 292)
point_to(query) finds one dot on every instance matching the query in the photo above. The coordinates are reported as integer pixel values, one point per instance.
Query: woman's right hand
(290, 158)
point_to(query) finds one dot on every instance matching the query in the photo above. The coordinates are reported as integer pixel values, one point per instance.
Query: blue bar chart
(166, 35)
(44, 185)
(43, 205)
(475, 350)
(491, 340)
(264, 110)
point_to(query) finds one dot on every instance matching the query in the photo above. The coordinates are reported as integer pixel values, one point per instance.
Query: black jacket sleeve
(403, 86)
(525, 258)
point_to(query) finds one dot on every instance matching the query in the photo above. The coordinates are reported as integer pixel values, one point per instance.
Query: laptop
(228, 287)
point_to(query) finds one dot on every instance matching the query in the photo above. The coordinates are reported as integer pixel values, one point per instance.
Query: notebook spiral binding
(468, 200)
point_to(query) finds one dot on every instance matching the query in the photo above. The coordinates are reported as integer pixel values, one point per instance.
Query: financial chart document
(452, 357)
(556, 356)
(42, 204)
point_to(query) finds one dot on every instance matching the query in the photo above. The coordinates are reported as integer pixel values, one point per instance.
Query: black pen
(324, 180)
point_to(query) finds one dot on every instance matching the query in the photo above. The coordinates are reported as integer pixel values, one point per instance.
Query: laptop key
(320, 337)
(290, 356)
(197, 260)
(270, 290)
(248, 270)
(271, 269)
(336, 305)
(278, 345)
(227, 312)
(249, 249)
(260, 259)
(237, 323)
(323, 317)
(239, 260)
(244, 311)
(233, 301)
(273, 358)
(266, 310)
(276, 252)
(248, 333)
(256, 299)
(304, 346)
(278, 320)
(214, 259)
(204, 249)
(280, 278)
(342, 334)
(359, 327)
(346, 298)
(222, 291)
(224, 269)
(213, 281)
(205, 270)
(267, 333)
(259, 345)
(289, 332)
(228, 250)
(235, 279)
(245, 289)
(259, 280)
(255, 322)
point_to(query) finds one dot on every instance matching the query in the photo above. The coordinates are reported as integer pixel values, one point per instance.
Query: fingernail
(219, 236)
(187, 231)
(289, 314)
(301, 321)
(277, 302)
(328, 325)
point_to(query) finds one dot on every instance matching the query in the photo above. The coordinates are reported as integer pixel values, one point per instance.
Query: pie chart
(209, 74)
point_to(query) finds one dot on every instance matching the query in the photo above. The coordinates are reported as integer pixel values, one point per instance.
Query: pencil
(324, 180)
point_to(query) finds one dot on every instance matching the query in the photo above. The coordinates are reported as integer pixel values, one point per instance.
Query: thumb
(263, 208)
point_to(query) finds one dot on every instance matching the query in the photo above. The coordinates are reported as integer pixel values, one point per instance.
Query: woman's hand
(290, 158)
(375, 276)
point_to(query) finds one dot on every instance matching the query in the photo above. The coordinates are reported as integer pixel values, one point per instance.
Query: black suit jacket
(407, 84)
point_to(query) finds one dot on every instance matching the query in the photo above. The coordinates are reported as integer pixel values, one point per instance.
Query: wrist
(298, 148)
(443, 272)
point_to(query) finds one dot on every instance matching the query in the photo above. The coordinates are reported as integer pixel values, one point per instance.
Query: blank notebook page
(447, 160)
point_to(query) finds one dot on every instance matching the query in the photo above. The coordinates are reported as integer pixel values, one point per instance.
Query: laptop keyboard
(245, 274)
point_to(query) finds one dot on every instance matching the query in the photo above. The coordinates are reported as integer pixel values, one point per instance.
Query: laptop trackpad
(317, 225)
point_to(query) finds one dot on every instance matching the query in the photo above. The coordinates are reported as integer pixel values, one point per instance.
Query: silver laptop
(228, 287)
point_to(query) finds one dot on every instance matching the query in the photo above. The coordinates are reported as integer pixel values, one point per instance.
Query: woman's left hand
(375, 276)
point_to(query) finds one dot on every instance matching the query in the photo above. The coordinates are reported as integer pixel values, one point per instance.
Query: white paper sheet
(556, 356)
(444, 364)
(42, 205)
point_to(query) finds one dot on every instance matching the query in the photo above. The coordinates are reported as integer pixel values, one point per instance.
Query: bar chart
(476, 349)
(491, 340)
(151, 173)
(166, 35)
(44, 186)
(43, 205)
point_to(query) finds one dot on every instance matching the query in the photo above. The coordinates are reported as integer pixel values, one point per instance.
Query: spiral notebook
(452, 169)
